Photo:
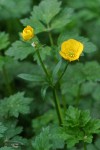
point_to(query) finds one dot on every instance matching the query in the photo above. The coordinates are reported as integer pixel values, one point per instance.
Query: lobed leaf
(14, 105)
(20, 50)
(4, 40)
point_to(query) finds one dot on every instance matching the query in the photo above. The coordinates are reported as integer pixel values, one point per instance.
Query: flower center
(71, 54)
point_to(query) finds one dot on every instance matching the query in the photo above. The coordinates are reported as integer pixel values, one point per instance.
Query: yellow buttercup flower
(28, 33)
(71, 49)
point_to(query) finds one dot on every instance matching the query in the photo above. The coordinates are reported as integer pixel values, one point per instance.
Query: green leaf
(35, 23)
(93, 126)
(6, 148)
(85, 117)
(44, 120)
(97, 143)
(19, 140)
(96, 93)
(12, 129)
(56, 69)
(72, 116)
(20, 50)
(44, 90)
(42, 141)
(47, 10)
(88, 138)
(42, 15)
(7, 12)
(4, 40)
(89, 47)
(33, 78)
(79, 126)
(14, 105)
(62, 19)
(91, 71)
(2, 130)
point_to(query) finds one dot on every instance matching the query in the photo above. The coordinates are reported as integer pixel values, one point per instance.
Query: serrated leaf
(42, 141)
(14, 105)
(49, 9)
(62, 19)
(93, 126)
(19, 140)
(72, 116)
(30, 77)
(20, 50)
(12, 129)
(89, 47)
(42, 15)
(4, 40)
(85, 118)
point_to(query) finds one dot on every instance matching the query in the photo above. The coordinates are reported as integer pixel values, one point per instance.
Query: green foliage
(29, 120)
(20, 50)
(62, 19)
(33, 78)
(80, 126)
(41, 143)
(14, 105)
(53, 139)
(6, 148)
(4, 40)
(43, 120)
(71, 85)
(45, 17)
(7, 9)
(2, 129)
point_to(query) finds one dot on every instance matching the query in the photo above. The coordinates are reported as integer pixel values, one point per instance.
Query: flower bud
(28, 33)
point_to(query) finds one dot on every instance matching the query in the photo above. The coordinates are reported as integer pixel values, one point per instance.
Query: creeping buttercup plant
(49, 88)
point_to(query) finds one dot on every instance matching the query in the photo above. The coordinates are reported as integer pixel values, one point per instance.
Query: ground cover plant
(50, 75)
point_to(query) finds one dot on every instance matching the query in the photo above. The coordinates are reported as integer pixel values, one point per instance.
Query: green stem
(50, 36)
(45, 70)
(6, 80)
(56, 101)
(62, 74)
(58, 108)
(51, 39)
(85, 147)
(64, 103)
